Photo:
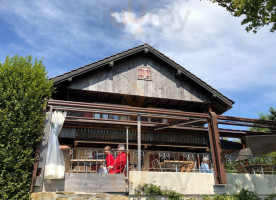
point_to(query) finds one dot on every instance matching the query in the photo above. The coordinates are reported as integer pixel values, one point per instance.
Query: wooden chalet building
(164, 114)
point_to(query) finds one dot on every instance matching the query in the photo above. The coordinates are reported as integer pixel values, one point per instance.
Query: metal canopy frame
(182, 122)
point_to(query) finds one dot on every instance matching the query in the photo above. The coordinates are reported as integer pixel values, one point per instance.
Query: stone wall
(97, 196)
(76, 196)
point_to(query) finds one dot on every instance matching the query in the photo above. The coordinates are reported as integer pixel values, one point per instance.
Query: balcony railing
(250, 164)
(85, 160)
(93, 160)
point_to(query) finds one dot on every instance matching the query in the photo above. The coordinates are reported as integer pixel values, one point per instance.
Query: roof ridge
(145, 44)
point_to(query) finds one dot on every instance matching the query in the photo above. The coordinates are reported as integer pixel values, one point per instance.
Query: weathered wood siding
(90, 183)
(123, 79)
(95, 183)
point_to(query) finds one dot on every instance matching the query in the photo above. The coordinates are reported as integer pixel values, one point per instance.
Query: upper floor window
(144, 73)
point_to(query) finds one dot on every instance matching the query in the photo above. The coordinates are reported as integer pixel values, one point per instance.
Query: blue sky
(201, 36)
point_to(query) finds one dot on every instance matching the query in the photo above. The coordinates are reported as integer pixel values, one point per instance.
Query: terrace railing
(250, 164)
(93, 161)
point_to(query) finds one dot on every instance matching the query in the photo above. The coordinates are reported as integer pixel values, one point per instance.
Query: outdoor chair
(156, 165)
(189, 166)
(241, 169)
(269, 169)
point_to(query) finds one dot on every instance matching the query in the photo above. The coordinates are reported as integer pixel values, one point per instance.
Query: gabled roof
(145, 47)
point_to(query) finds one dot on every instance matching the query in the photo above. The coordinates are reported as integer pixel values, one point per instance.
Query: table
(175, 164)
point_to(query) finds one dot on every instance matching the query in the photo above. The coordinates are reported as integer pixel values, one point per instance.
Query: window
(144, 73)
(97, 115)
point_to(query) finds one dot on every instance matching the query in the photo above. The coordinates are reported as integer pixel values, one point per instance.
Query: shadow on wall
(259, 183)
(203, 183)
(54, 185)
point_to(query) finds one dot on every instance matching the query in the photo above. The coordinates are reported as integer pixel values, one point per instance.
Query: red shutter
(141, 73)
(147, 74)
(89, 115)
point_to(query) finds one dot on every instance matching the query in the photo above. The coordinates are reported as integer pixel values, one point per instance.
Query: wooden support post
(37, 153)
(243, 142)
(209, 108)
(111, 65)
(198, 160)
(216, 151)
(127, 150)
(178, 74)
(68, 94)
(139, 141)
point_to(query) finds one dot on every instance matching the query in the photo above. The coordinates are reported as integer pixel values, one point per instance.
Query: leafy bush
(24, 87)
(152, 190)
(244, 194)
(247, 195)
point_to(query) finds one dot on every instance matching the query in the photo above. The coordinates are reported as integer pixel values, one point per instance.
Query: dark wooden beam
(146, 101)
(168, 103)
(210, 108)
(201, 108)
(213, 96)
(110, 65)
(220, 175)
(159, 111)
(37, 153)
(135, 144)
(179, 104)
(170, 125)
(189, 105)
(243, 142)
(179, 123)
(259, 121)
(178, 74)
(109, 97)
(146, 50)
(68, 94)
(245, 124)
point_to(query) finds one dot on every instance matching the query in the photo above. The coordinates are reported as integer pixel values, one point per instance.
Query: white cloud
(208, 41)
(199, 35)
(60, 31)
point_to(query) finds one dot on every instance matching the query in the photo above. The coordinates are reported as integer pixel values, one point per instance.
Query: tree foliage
(24, 87)
(257, 13)
(269, 116)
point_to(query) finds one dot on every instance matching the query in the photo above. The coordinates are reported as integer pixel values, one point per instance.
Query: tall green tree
(24, 88)
(256, 13)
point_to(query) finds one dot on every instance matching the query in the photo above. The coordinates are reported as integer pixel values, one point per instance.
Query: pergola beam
(216, 150)
(139, 141)
(182, 116)
(179, 123)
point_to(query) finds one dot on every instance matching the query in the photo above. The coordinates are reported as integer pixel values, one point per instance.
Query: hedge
(24, 88)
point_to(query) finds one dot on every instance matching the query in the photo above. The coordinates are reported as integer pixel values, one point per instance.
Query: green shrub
(152, 190)
(247, 195)
(24, 88)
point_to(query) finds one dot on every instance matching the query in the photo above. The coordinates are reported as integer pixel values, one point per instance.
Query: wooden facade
(142, 77)
(123, 78)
